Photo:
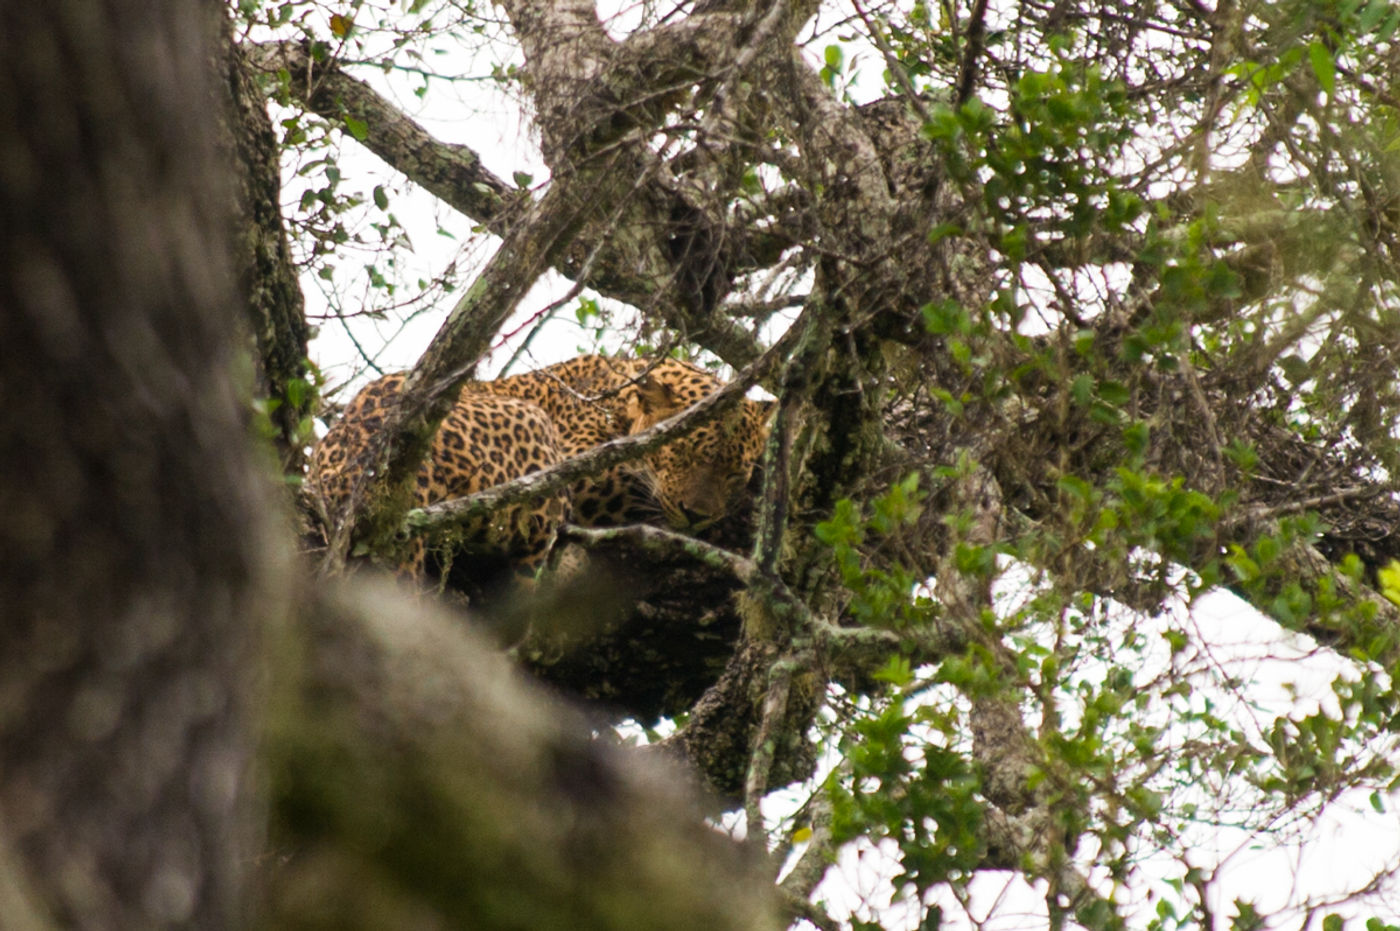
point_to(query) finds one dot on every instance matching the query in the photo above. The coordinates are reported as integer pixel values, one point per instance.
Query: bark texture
(492, 806)
(263, 263)
(137, 570)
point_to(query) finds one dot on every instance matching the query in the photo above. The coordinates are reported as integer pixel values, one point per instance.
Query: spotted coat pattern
(502, 429)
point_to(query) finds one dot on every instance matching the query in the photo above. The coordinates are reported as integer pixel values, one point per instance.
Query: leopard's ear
(655, 397)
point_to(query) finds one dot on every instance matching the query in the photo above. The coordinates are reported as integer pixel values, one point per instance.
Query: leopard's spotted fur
(499, 430)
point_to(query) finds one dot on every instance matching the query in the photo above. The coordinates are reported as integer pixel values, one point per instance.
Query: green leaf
(1295, 369)
(1388, 577)
(1114, 392)
(358, 128)
(1352, 567)
(1082, 389)
(1371, 16)
(523, 179)
(586, 309)
(298, 391)
(1241, 454)
(897, 672)
(942, 231)
(1245, 569)
(946, 316)
(1013, 242)
(1324, 66)
(381, 199)
(1136, 436)
(1246, 917)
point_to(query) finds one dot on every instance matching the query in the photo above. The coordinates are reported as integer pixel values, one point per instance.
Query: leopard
(501, 429)
(483, 441)
(689, 483)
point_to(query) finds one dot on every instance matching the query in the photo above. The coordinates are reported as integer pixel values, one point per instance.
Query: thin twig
(976, 36)
(1262, 512)
(765, 748)
(897, 69)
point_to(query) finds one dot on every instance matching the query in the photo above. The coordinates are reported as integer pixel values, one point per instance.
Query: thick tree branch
(545, 827)
(453, 173)
(264, 264)
(616, 266)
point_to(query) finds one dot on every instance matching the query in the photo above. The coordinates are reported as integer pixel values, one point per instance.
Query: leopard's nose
(695, 518)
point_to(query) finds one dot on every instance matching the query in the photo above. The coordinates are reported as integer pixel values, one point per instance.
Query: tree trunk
(263, 262)
(136, 568)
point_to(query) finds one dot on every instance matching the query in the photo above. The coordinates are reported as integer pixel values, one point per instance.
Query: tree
(1088, 317)
(191, 736)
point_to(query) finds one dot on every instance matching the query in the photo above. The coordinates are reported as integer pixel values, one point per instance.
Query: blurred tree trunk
(136, 570)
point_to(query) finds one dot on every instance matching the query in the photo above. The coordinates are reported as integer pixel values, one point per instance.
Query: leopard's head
(701, 477)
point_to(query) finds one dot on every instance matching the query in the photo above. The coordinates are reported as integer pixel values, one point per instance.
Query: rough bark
(137, 571)
(263, 263)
